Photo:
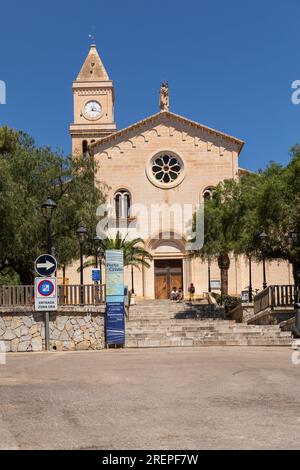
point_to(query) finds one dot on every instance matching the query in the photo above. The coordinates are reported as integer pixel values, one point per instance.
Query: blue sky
(230, 65)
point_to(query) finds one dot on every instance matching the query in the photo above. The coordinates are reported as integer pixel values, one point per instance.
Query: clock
(92, 109)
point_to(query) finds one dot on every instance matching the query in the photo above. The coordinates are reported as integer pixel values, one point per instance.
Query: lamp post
(132, 280)
(48, 208)
(294, 235)
(250, 280)
(81, 233)
(98, 263)
(263, 236)
(97, 246)
(209, 276)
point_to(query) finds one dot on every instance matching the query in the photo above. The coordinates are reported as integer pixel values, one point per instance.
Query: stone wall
(71, 329)
(242, 313)
(288, 325)
(272, 316)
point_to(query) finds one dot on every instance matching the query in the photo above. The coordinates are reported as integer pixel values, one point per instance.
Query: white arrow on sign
(47, 265)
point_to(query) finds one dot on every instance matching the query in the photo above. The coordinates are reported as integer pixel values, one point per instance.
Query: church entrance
(168, 274)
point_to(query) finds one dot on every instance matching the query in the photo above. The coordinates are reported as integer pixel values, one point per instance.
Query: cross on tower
(93, 38)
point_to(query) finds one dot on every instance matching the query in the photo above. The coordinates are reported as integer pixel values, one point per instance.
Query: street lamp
(250, 280)
(209, 276)
(96, 242)
(294, 235)
(263, 236)
(48, 208)
(81, 233)
(132, 280)
(97, 245)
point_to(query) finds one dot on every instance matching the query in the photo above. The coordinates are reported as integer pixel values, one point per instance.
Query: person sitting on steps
(180, 295)
(174, 294)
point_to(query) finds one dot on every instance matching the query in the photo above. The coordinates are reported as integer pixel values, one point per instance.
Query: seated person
(174, 293)
(180, 295)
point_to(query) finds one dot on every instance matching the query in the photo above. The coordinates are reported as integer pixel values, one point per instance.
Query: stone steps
(193, 342)
(154, 324)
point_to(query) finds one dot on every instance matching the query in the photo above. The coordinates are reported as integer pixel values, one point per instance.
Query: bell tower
(93, 94)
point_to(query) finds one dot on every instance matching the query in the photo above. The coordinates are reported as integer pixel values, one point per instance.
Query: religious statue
(164, 101)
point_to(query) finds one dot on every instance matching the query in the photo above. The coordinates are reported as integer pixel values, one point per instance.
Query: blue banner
(114, 278)
(115, 311)
(115, 323)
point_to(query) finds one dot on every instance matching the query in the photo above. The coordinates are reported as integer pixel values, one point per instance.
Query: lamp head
(48, 208)
(81, 233)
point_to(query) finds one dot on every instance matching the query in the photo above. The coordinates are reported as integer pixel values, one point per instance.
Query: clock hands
(93, 108)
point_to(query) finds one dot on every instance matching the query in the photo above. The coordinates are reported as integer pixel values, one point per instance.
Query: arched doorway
(168, 266)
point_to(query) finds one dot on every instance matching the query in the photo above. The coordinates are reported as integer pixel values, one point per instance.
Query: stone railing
(20, 296)
(262, 300)
(274, 296)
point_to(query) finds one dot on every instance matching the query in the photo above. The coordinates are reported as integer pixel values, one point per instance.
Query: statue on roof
(164, 101)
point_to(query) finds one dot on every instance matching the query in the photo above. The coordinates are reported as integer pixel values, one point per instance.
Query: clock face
(92, 109)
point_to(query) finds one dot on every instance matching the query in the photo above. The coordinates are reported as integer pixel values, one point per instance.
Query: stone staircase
(169, 324)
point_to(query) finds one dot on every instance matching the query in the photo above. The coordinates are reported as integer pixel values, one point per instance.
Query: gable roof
(154, 117)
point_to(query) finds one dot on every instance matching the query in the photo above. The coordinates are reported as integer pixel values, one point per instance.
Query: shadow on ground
(200, 311)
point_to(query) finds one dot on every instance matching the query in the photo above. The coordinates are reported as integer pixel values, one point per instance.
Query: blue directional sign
(45, 265)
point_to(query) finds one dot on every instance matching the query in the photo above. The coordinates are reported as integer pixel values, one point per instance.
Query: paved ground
(145, 399)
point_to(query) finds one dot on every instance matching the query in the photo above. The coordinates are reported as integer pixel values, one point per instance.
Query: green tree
(267, 201)
(28, 174)
(134, 253)
(277, 210)
(221, 215)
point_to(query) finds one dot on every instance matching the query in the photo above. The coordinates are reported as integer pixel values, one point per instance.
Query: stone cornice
(155, 117)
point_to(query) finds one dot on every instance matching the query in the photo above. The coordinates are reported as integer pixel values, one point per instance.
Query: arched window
(122, 205)
(208, 194)
(85, 147)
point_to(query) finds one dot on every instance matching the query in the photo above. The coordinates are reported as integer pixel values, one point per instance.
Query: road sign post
(45, 300)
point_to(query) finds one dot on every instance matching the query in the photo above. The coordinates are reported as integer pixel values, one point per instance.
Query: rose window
(166, 169)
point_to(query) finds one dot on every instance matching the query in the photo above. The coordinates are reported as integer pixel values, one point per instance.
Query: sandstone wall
(242, 313)
(76, 328)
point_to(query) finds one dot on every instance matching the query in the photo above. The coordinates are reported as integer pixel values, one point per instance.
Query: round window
(166, 170)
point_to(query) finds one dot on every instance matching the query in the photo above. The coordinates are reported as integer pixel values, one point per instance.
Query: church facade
(163, 161)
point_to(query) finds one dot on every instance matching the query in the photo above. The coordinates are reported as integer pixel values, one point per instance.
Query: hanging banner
(115, 312)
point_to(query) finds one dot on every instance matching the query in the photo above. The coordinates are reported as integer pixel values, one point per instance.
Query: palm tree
(134, 253)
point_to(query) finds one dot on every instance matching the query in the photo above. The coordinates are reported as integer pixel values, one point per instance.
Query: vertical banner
(115, 311)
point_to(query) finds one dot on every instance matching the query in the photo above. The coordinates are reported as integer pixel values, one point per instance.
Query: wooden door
(176, 281)
(161, 291)
(168, 274)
